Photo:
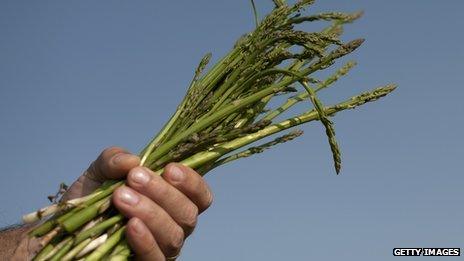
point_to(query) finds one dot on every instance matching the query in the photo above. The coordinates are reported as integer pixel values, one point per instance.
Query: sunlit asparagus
(223, 111)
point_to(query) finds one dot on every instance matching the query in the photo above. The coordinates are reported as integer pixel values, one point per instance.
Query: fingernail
(140, 176)
(176, 174)
(138, 227)
(128, 196)
(120, 157)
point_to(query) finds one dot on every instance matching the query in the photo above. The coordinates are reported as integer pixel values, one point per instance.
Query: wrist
(17, 245)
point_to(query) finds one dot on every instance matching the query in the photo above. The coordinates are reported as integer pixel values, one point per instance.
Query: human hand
(162, 210)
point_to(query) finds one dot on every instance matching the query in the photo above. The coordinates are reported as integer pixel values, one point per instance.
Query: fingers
(168, 206)
(175, 203)
(113, 163)
(142, 241)
(190, 183)
(167, 233)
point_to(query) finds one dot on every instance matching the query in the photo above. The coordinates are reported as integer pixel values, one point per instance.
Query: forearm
(16, 245)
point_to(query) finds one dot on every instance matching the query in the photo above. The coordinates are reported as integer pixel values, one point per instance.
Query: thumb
(113, 163)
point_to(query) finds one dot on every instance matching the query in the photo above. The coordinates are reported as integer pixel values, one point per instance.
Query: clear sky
(78, 76)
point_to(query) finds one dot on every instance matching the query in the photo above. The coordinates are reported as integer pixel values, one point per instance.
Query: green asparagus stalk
(224, 110)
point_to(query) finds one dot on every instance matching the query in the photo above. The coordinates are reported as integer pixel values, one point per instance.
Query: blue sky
(78, 76)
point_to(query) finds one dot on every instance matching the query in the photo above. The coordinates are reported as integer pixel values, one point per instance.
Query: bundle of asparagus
(224, 110)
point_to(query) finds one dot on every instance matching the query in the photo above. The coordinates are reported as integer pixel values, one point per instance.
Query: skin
(161, 210)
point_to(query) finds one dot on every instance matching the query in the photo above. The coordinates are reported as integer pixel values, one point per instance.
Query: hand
(162, 210)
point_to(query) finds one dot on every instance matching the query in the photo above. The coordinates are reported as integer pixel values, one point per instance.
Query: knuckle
(150, 214)
(176, 241)
(209, 198)
(102, 163)
(148, 252)
(191, 217)
(205, 196)
(108, 152)
(94, 172)
(157, 187)
(199, 186)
